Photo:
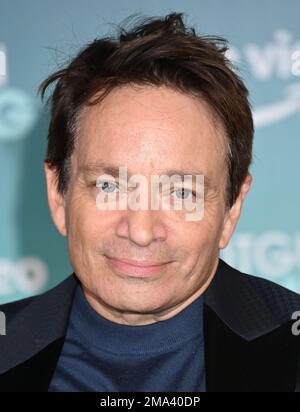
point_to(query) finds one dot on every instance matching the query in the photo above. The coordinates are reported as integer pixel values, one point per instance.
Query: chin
(148, 307)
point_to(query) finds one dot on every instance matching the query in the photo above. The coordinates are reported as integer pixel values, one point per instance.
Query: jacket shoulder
(33, 323)
(281, 301)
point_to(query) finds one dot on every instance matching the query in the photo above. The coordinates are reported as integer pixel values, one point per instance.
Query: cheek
(83, 229)
(83, 217)
(200, 234)
(200, 241)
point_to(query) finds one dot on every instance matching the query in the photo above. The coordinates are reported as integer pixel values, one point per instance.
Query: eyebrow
(94, 169)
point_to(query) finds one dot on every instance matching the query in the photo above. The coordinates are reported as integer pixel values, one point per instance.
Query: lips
(136, 268)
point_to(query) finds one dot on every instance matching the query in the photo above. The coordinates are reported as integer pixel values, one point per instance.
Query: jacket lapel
(247, 347)
(34, 374)
(42, 323)
(233, 364)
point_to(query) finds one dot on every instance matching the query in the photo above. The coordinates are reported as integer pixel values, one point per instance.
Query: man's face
(149, 130)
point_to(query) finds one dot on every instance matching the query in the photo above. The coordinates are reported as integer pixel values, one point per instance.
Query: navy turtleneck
(104, 356)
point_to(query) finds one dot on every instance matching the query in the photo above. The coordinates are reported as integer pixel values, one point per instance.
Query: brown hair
(157, 51)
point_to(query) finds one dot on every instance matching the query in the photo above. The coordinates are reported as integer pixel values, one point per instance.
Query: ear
(233, 214)
(56, 200)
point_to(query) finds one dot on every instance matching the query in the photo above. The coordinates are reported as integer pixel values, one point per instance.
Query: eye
(183, 193)
(106, 186)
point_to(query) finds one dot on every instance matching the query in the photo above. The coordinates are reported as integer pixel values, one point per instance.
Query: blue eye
(182, 193)
(107, 186)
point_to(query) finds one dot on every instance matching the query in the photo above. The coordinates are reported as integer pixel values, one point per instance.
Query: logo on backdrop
(274, 254)
(28, 275)
(277, 59)
(18, 111)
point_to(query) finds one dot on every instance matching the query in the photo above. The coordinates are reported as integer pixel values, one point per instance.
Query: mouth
(136, 268)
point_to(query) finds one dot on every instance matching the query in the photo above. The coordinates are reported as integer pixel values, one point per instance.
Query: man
(150, 305)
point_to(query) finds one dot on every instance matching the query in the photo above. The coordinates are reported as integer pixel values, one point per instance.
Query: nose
(141, 227)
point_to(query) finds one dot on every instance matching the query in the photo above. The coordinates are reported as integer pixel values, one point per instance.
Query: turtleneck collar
(160, 336)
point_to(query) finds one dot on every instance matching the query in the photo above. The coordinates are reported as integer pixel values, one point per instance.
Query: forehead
(150, 128)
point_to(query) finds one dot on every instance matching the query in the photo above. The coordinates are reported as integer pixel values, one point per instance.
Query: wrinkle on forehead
(114, 104)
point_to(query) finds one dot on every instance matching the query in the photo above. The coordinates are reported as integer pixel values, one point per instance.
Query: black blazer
(249, 344)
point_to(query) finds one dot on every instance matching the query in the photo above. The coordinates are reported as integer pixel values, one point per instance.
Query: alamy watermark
(296, 324)
(3, 65)
(180, 193)
(2, 323)
(296, 63)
